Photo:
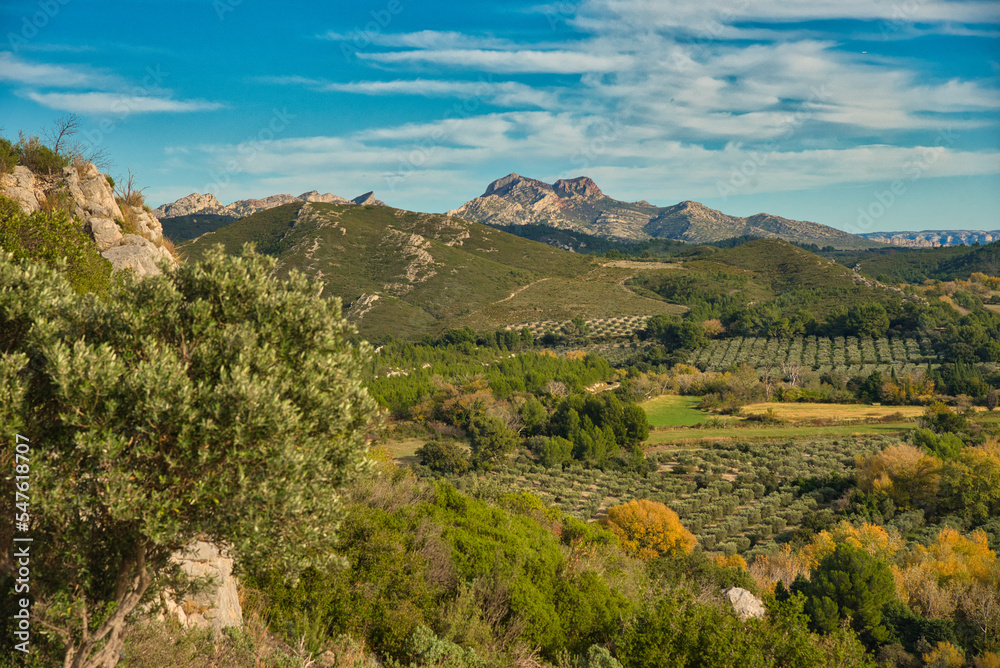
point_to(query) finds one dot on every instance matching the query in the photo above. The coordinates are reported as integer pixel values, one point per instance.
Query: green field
(673, 410)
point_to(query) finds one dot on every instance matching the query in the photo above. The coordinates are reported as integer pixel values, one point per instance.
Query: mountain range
(198, 204)
(571, 205)
(934, 238)
(578, 204)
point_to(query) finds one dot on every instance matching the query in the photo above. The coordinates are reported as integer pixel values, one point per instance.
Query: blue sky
(862, 114)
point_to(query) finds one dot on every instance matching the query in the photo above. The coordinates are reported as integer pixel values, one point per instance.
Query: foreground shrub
(213, 402)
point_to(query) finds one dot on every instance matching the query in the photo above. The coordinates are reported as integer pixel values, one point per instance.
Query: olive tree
(214, 402)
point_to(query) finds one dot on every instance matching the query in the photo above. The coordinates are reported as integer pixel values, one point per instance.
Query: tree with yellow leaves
(936, 579)
(648, 529)
(910, 477)
(944, 655)
(871, 538)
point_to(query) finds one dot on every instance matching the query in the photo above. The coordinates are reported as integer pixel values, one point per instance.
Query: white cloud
(425, 39)
(17, 70)
(121, 105)
(501, 93)
(708, 17)
(523, 61)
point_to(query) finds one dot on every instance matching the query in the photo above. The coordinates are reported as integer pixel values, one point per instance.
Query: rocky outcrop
(130, 237)
(196, 203)
(745, 605)
(105, 232)
(138, 254)
(578, 187)
(20, 187)
(329, 198)
(217, 604)
(578, 204)
(91, 192)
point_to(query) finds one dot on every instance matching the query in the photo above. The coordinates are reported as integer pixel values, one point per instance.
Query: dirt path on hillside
(522, 289)
(621, 284)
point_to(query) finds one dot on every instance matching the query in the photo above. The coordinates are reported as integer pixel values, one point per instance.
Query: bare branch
(59, 134)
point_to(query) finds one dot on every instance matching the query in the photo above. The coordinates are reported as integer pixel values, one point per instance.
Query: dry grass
(57, 200)
(630, 264)
(166, 644)
(403, 449)
(948, 300)
(803, 412)
(167, 244)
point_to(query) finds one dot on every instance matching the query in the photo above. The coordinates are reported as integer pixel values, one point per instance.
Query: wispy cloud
(653, 97)
(46, 85)
(500, 93)
(110, 103)
(522, 61)
(706, 15)
(20, 71)
(427, 39)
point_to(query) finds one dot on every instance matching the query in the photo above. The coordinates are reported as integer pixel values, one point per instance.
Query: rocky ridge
(579, 204)
(196, 203)
(130, 237)
(934, 238)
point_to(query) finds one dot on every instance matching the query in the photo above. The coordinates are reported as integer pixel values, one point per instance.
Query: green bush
(38, 157)
(679, 631)
(8, 156)
(429, 651)
(444, 456)
(54, 238)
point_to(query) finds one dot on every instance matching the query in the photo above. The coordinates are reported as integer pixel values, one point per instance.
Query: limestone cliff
(130, 237)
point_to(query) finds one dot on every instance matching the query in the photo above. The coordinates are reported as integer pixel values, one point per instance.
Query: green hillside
(915, 265)
(762, 274)
(182, 228)
(407, 274)
(782, 267)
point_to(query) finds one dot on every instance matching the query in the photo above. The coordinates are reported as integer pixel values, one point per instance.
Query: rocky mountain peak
(329, 198)
(578, 204)
(580, 186)
(517, 185)
(368, 199)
